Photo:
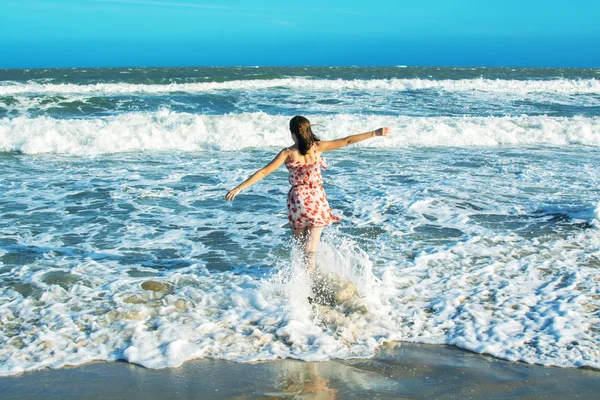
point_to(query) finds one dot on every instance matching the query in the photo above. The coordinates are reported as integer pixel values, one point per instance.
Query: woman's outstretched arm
(258, 175)
(328, 145)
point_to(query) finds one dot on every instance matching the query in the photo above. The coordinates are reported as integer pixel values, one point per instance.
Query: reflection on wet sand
(397, 371)
(302, 380)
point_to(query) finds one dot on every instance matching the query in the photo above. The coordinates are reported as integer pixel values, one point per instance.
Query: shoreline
(398, 370)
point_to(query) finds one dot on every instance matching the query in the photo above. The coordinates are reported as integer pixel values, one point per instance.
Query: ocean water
(476, 223)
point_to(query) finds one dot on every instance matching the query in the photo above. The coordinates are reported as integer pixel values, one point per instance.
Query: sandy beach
(398, 371)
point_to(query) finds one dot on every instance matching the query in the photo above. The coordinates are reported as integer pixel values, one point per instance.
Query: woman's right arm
(328, 145)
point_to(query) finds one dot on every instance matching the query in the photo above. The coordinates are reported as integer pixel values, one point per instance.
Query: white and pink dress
(307, 203)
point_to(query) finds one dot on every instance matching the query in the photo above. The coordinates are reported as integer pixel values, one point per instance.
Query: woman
(308, 209)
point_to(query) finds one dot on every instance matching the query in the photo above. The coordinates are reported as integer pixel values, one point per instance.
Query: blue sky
(70, 33)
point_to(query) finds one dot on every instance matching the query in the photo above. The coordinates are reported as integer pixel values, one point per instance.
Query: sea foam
(186, 132)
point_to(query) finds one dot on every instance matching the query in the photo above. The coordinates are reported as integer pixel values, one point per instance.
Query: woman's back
(305, 173)
(310, 157)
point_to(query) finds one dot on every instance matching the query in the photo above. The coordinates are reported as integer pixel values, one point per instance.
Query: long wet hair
(300, 127)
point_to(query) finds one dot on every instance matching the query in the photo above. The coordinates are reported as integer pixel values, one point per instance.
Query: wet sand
(398, 371)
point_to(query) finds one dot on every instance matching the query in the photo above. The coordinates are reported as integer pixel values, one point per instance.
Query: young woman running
(308, 209)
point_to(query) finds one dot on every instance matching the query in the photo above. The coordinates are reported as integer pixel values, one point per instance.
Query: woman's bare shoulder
(287, 152)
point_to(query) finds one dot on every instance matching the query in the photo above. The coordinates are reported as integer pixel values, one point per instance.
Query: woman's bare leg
(308, 240)
(313, 236)
(300, 241)
(299, 234)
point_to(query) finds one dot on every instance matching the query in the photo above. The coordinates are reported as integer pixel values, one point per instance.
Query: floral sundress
(307, 203)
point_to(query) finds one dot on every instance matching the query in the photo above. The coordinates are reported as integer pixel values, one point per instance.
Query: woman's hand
(382, 132)
(232, 193)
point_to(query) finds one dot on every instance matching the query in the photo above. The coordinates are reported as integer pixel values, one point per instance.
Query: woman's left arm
(258, 175)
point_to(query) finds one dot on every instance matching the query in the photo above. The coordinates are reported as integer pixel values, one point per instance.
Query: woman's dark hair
(300, 127)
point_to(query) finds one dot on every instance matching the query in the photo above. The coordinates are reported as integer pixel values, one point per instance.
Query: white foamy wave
(565, 86)
(168, 131)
